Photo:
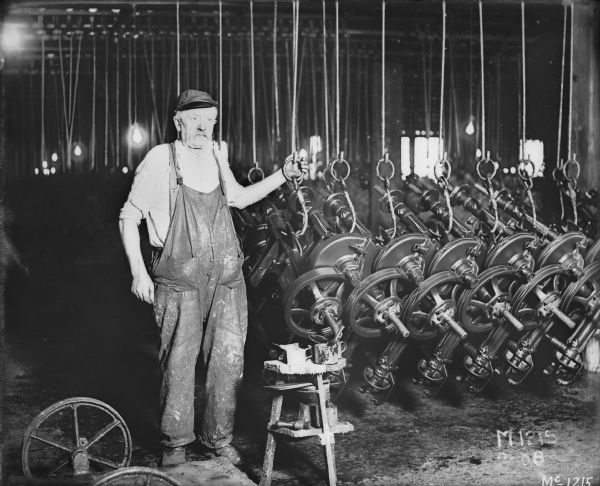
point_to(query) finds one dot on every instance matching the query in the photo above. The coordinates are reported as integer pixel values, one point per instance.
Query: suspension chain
(486, 170)
(557, 179)
(255, 170)
(442, 171)
(526, 170)
(571, 170)
(296, 158)
(341, 180)
(385, 178)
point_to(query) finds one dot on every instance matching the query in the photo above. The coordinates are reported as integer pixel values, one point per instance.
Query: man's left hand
(221, 152)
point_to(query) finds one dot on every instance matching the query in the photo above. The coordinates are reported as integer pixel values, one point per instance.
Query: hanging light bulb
(13, 35)
(125, 170)
(470, 128)
(54, 157)
(36, 171)
(53, 170)
(315, 147)
(77, 150)
(137, 134)
(44, 164)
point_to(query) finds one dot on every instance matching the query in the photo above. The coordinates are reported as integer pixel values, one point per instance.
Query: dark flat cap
(192, 98)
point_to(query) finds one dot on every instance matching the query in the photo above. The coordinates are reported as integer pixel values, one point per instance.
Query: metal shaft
(402, 329)
(513, 320)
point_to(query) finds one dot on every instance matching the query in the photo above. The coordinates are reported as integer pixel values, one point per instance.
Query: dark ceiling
(408, 24)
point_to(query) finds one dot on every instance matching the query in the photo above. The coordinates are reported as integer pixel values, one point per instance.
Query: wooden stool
(319, 428)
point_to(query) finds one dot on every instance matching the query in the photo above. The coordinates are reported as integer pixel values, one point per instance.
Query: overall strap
(221, 181)
(175, 179)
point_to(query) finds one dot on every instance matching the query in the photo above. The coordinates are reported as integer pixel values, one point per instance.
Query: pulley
(75, 437)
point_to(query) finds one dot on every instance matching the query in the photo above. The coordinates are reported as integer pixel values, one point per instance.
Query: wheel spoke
(372, 301)
(300, 312)
(496, 287)
(327, 286)
(586, 290)
(436, 296)
(580, 300)
(75, 424)
(316, 291)
(51, 443)
(479, 305)
(484, 293)
(148, 479)
(364, 322)
(419, 315)
(104, 462)
(102, 433)
(62, 464)
(393, 287)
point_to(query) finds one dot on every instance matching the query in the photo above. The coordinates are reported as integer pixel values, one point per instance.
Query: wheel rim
(593, 253)
(78, 431)
(131, 476)
(361, 307)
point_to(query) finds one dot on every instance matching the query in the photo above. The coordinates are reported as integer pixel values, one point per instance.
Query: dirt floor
(73, 329)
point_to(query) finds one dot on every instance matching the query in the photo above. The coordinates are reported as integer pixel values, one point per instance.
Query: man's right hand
(143, 287)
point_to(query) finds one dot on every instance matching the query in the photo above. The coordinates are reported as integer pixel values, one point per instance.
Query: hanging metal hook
(341, 180)
(571, 170)
(526, 171)
(486, 170)
(442, 171)
(385, 178)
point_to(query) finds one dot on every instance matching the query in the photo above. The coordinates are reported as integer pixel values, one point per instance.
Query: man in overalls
(184, 190)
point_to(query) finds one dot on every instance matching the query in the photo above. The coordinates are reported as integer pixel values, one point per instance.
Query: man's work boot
(172, 456)
(230, 453)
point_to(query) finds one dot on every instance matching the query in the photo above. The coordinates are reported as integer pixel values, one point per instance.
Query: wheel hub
(80, 458)
(331, 305)
(551, 301)
(498, 306)
(385, 307)
(440, 314)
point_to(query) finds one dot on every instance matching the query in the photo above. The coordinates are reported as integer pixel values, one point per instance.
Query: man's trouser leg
(223, 356)
(179, 319)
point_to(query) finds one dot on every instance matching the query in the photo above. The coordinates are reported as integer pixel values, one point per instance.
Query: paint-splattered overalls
(199, 304)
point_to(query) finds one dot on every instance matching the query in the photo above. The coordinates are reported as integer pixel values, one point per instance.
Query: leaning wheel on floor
(75, 436)
(132, 476)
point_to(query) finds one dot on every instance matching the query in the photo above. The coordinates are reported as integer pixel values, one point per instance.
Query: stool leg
(267, 469)
(328, 437)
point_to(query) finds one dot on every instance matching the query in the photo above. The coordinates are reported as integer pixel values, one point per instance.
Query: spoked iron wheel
(486, 304)
(423, 307)
(584, 293)
(373, 306)
(547, 283)
(136, 476)
(313, 302)
(75, 436)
